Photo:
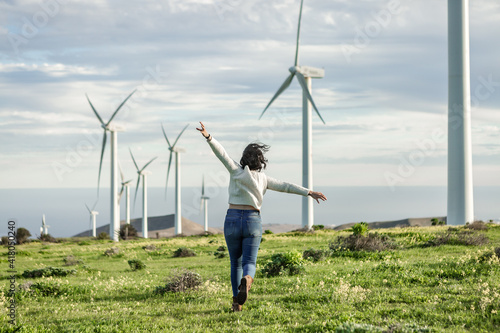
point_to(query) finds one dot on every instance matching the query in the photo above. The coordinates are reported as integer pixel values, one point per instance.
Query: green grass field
(448, 288)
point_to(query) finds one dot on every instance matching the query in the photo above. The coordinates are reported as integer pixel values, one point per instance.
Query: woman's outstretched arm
(218, 150)
(280, 186)
(317, 196)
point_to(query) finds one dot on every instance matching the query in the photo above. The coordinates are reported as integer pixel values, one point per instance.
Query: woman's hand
(317, 196)
(203, 131)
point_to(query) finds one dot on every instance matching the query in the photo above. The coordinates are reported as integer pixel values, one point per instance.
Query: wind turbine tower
(44, 230)
(114, 224)
(304, 75)
(460, 191)
(175, 150)
(204, 203)
(93, 215)
(126, 187)
(144, 174)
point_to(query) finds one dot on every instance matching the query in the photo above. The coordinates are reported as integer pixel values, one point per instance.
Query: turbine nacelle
(177, 149)
(114, 128)
(308, 71)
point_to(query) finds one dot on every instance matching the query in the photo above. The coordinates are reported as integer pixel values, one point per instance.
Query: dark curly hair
(253, 156)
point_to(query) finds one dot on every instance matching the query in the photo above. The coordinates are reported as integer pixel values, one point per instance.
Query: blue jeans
(243, 232)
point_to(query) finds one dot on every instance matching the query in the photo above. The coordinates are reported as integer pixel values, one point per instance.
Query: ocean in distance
(66, 213)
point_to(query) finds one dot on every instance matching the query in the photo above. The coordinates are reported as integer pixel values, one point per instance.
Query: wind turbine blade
(100, 162)
(119, 107)
(165, 135)
(168, 172)
(137, 187)
(144, 167)
(121, 192)
(298, 35)
(283, 87)
(133, 159)
(93, 207)
(88, 208)
(303, 83)
(95, 111)
(203, 186)
(178, 137)
(121, 171)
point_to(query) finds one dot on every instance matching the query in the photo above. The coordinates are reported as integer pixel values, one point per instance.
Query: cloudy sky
(383, 97)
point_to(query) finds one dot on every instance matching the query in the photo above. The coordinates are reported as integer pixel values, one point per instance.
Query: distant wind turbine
(126, 187)
(173, 149)
(304, 75)
(93, 214)
(142, 172)
(204, 203)
(44, 228)
(114, 224)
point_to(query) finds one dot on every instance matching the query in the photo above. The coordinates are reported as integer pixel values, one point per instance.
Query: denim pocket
(254, 229)
(228, 228)
(254, 225)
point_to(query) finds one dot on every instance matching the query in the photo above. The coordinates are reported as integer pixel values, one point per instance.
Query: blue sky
(383, 97)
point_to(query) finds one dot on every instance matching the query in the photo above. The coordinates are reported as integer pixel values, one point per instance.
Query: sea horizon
(66, 214)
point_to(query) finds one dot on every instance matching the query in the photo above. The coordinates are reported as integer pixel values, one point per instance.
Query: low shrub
(268, 232)
(180, 281)
(47, 289)
(112, 251)
(359, 229)
(136, 264)
(47, 238)
(221, 248)
(357, 242)
(455, 236)
(103, 236)
(363, 255)
(5, 240)
(497, 251)
(220, 254)
(184, 252)
(314, 255)
(127, 231)
(289, 263)
(22, 235)
(318, 227)
(435, 221)
(72, 261)
(48, 271)
(477, 225)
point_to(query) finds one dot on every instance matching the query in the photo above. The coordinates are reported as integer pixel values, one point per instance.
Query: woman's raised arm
(218, 150)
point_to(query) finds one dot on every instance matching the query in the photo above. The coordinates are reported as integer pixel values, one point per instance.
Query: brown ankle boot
(236, 307)
(246, 284)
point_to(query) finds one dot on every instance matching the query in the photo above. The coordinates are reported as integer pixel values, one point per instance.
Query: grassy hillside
(428, 282)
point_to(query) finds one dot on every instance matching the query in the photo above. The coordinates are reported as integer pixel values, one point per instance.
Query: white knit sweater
(247, 187)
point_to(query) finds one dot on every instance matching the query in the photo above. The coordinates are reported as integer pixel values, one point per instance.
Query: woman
(242, 227)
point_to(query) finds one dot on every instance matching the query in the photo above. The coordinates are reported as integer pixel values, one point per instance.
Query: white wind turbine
(204, 203)
(114, 224)
(304, 75)
(460, 190)
(173, 149)
(126, 187)
(93, 215)
(142, 172)
(44, 229)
